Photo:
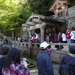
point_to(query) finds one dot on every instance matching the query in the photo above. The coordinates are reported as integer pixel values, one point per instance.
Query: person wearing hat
(70, 59)
(44, 62)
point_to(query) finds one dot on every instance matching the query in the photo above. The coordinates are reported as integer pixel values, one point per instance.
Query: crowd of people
(10, 63)
(44, 61)
(66, 36)
(35, 38)
(22, 39)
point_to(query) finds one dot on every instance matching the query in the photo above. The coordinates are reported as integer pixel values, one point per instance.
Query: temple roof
(56, 2)
(35, 19)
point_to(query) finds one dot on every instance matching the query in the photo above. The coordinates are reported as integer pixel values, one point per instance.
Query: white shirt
(63, 37)
(72, 34)
(36, 37)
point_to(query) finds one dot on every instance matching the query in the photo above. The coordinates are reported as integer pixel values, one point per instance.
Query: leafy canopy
(9, 14)
(40, 6)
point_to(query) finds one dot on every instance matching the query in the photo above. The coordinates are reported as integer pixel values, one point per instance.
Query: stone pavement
(55, 66)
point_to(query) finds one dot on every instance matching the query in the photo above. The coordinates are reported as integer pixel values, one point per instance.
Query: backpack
(64, 69)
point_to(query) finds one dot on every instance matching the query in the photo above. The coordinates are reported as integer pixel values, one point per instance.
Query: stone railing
(27, 44)
(33, 49)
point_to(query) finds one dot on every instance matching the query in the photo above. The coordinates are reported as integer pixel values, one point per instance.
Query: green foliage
(12, 14)
(25, 11)
(72, 2)
(40, 6)
(9, 14)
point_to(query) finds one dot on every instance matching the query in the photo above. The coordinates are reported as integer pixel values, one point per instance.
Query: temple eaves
(36, 20)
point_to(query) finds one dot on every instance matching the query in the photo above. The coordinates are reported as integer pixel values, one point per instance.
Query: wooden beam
(36, 20)
(31, 23)
(25, 25)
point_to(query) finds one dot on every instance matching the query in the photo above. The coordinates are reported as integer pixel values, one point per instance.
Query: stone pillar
(12, 35)
(33, 31)
(66, 11)
(42, 34)
(29, 39)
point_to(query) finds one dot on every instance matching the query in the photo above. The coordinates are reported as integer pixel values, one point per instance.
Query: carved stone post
(42, 34)
(66, 11)
(42, 31)
(29, 38)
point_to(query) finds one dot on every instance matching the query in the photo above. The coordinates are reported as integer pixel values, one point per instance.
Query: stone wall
(33, 49)
(71, 17)
(57, 55)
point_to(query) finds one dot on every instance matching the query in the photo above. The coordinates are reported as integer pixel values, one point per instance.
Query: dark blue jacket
(2, 58)
(51, 38)
(44, 64)
(71, 61)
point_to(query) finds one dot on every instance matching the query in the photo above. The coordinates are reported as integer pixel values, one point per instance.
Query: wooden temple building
(43, 25)
(49, 24)
(62, 19)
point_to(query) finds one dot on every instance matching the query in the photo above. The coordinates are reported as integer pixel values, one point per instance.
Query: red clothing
(44, 37)
(68, 35)
(49, 51)
(55, 38)
(33, 39)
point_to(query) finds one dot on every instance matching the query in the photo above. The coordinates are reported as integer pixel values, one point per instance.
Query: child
(33, 38)
(3, 52)
(49, 50)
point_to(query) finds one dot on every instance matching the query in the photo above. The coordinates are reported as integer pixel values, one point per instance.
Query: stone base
(56, 55)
